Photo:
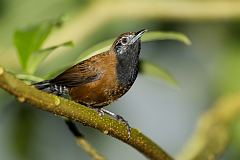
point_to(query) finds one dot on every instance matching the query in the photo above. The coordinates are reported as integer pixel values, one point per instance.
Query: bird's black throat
(127, 64)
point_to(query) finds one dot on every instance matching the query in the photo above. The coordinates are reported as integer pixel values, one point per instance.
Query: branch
(74, 111)
(213, 133)
(87, 147)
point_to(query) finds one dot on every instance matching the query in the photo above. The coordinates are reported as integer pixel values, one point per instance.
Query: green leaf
(157, 35)
(29, 78)
(30, 39)
(38, 56)
(148, 36)
(56, 72)
(98, 48)
(156, 71)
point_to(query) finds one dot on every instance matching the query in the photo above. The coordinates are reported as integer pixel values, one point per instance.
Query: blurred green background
(205, 71)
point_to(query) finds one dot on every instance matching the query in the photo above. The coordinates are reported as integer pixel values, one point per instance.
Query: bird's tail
(49, 87)
(43, 85)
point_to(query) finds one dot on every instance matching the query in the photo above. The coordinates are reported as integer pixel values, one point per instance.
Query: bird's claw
(100, 112)
(120, 118)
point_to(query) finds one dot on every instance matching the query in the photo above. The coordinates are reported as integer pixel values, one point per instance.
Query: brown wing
(82, 73)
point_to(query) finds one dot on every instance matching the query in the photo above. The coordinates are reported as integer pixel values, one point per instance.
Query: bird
(102, 79)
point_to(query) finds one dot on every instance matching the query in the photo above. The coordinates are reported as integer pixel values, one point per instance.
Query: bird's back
(104, 89)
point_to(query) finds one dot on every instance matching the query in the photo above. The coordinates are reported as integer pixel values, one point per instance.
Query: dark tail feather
(49, 87)
(42, 85)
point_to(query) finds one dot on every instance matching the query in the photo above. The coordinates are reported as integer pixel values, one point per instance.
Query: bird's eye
(124, 40)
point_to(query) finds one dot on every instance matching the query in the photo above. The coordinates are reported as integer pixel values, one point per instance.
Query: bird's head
(128, 43)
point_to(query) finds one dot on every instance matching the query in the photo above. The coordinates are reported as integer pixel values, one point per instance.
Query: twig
(76, 112)
(89, 148)
(213, 133)
(82, 142)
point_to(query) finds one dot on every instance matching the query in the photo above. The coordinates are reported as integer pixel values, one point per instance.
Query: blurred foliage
(2, 7)
(29, 41)
(153, 70)
(229, 73)
(21, 132)
(235, 128)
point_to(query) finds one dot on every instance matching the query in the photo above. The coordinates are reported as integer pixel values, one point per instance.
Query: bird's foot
(98, 110)
(119, 118)
(102, 111)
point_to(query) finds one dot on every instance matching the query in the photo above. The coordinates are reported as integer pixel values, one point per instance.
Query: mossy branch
(74, 111)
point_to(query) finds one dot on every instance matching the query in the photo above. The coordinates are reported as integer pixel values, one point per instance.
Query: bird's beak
(138, 35)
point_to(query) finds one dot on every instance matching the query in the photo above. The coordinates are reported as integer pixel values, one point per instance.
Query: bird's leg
(102, 111)
(119, 118)
(99, 110)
